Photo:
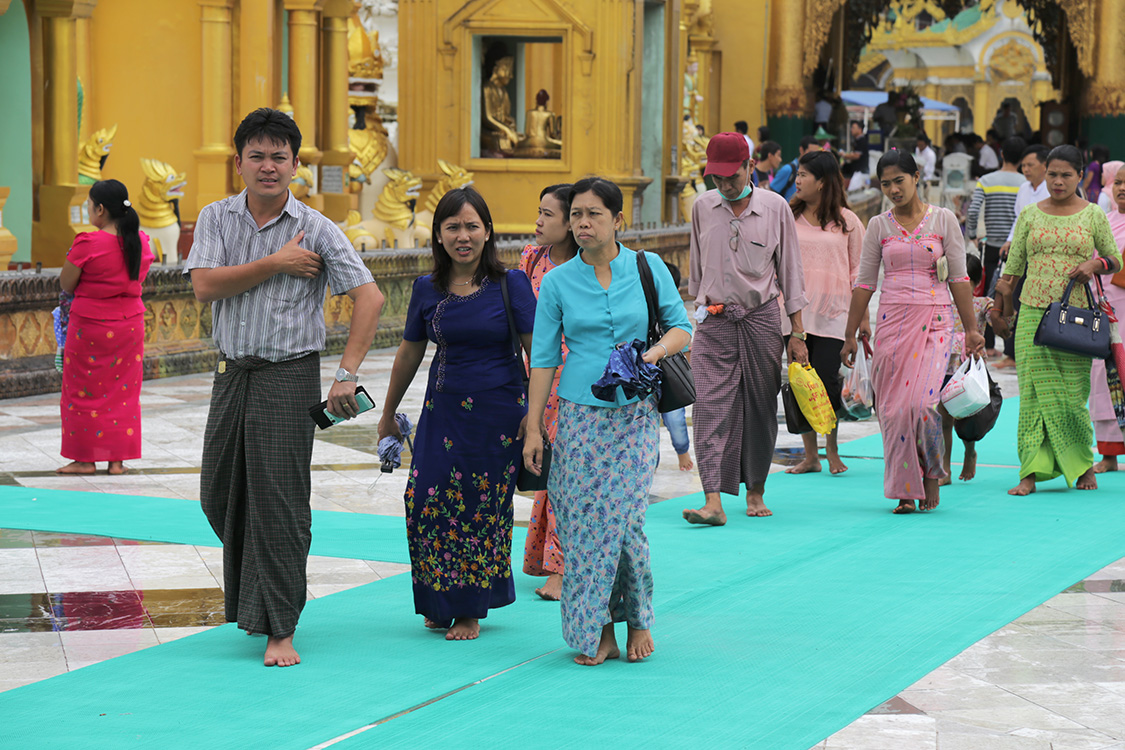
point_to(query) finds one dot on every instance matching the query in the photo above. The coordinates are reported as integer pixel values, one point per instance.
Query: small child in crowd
(676, 421)
(981, 306)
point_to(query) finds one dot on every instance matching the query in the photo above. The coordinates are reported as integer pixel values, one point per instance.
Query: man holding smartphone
(263, 260)
(743, 255)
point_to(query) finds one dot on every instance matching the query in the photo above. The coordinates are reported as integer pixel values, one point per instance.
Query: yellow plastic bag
(812, 397)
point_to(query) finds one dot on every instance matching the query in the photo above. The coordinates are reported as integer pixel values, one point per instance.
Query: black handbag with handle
(525, 480)
(677, 386)
(1074, 329)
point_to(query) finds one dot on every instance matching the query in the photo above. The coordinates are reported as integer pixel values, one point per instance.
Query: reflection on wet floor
(19, 538)
(110, 610)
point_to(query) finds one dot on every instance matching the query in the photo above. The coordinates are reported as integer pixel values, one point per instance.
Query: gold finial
(285, 105)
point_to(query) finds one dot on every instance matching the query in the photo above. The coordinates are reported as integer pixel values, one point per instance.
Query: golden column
(60, 198)
(786, 99)
(337, 154)
(1106, 95)
(213, 157)
(303, 70)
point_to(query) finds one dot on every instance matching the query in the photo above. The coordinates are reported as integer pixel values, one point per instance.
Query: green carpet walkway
(771, 633)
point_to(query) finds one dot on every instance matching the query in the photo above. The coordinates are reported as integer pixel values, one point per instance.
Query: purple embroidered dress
(913, 335)
(463, 473)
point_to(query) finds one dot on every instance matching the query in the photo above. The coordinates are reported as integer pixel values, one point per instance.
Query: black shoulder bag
(525, 480)
(677, 386)
(1074, 329)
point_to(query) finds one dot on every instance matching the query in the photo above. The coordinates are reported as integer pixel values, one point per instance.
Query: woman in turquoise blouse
(605, 452)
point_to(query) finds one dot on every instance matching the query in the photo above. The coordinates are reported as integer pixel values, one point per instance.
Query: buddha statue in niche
(542, 139)
(498, 136)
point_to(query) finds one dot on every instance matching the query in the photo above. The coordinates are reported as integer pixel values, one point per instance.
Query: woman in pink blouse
(103, 360)
(554, 246)
(923, 256)
(830, 237)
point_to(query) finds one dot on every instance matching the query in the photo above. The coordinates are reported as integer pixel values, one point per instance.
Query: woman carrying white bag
(967, 388)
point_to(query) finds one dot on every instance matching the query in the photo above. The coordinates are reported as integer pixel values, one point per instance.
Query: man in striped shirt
(264, 261)
(996, 193)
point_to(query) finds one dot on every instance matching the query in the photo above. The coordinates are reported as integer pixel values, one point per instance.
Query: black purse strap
(655, 332)
(517, 346)
(1092, 301)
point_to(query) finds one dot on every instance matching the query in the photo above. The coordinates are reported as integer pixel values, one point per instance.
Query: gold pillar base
(60, 220)
(215, 166)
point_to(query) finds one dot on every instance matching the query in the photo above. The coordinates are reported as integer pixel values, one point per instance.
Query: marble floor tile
(167, 635)
(87, 638)
(21, 572)
(83, 569)
(874, 732)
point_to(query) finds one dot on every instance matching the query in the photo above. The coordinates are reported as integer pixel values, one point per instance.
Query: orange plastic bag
(812, 397)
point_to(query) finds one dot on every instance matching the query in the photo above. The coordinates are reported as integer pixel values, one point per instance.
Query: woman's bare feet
(432, 625)
(946, 480)
(835, 465)
(280, 652)
(969, 467)
(685, 461)
(77, 467)
(904, 507)
(117, 468)
(932, 498)
(464, 629)
(1087, 481)
(552, 589)
(807, 466)
(1025, 487)
(607, 649)
(756, 503)
(1004, 363)
(639, 644)
(1108, 463)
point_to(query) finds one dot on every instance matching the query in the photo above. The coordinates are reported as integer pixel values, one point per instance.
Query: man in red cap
(744, 255)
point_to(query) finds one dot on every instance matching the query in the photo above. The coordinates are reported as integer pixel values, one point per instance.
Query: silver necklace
(461, 283)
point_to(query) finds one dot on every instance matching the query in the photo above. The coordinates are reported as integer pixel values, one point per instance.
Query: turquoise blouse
(573, 304)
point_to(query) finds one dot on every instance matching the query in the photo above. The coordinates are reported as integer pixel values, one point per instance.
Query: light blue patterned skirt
(601, 472)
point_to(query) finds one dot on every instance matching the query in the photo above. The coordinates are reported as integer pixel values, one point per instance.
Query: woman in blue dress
(605, 453)
(467, 447)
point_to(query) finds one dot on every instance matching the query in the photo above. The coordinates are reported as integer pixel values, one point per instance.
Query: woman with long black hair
(103, 360)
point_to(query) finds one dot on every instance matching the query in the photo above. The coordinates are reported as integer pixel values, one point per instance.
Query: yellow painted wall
(742, 34)
(146, 59)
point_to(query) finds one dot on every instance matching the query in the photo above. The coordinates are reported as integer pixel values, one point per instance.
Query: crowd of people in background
(780, 268)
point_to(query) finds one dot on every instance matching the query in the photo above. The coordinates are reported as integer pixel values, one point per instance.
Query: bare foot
(932, 498)
(607, 649)
(464, 629)
(1005, 363)
(991, 353)
(639, 644)
(1087, 480)
(116, 468)
(1108, 463)
(77, 467)
(969, 467)
(552, 589)
(904, 507)
(946, 480)
(807, 466)
(1025, 487)
(685, 461)
(705, 516)
(432, 625)
(835, 465)
(280, 652)
(756, 505)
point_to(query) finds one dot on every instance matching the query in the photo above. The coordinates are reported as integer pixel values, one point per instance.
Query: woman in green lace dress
(1054, 242)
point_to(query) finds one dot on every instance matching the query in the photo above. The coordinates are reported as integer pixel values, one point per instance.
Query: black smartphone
(325, 419)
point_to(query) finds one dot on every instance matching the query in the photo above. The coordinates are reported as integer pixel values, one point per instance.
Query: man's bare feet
(1087, 481)
(607, 649)
(464, 629)
(969, 467)
(685, 461)
(280, 652)
(77, 467)
(711, 514)
(1005, 363)
(1108, 463)
(755, 503)
(552, 589)
(116, 468)
(1025, 487)
(639, 645)
(807, 466)
(835, 465)
(904, 507)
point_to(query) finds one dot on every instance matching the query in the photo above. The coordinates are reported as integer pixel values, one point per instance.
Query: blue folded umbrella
(627, 371)
(390, 447)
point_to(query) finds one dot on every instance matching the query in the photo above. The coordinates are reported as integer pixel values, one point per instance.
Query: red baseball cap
(726, 152)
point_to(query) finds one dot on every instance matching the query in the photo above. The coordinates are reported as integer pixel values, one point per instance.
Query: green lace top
(1046, 247)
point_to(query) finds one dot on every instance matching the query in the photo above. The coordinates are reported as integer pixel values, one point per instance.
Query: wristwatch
(802, 336)
(343, 376)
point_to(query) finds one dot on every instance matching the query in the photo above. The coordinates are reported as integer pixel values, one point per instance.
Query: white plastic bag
(858, 396)
(967, 392)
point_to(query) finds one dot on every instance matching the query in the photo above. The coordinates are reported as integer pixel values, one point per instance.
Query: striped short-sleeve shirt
(283, 317)
(995, 198)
